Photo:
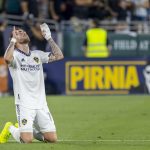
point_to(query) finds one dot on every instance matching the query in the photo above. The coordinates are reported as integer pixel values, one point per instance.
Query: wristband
(13, 40)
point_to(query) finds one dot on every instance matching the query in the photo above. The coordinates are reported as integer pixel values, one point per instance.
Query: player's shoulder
(16, 53)
(35, 51)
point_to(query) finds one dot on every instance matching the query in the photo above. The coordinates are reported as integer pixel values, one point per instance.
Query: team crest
(24, 121)
(22, 60)
(36, 59)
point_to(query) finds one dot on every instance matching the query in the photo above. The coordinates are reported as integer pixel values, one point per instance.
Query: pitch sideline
(115, 140)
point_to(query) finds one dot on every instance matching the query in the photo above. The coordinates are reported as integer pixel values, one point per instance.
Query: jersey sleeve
(44, 56)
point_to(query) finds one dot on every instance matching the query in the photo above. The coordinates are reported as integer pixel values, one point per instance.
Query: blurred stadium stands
(70, 35)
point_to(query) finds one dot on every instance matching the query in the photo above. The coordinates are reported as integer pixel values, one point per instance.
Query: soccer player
(26, 69)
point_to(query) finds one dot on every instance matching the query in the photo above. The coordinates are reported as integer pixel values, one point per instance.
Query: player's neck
(24, 48)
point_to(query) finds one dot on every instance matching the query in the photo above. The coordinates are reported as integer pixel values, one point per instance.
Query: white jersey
(28, 79)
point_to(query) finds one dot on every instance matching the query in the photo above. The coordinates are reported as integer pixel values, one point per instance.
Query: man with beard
(27, 73)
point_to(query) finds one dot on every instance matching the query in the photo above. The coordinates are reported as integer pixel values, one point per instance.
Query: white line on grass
(115, 140)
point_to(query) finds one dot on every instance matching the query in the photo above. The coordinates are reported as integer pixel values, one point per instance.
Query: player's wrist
(48, 37)
(13, 40)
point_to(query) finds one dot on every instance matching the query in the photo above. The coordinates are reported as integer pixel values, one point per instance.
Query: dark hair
(96, 22)
(148, 62)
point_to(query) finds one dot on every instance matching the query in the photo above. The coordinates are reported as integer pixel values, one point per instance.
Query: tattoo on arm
(56, 52)
(52, 58)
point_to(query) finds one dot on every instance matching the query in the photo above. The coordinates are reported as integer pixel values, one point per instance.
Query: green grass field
(90, 123)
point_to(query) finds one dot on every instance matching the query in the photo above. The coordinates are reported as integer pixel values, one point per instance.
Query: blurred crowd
(74, 10)
(58, 10)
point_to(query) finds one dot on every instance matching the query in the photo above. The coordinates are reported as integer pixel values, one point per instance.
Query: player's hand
(45, 31)
(14, 35)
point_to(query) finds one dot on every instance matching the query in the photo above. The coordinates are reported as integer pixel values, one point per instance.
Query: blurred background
(106, 44)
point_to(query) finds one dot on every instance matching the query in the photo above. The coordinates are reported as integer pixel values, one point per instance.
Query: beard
(25, 41)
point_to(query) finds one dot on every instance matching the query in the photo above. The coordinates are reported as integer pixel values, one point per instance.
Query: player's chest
(32, 60)
(29, 64)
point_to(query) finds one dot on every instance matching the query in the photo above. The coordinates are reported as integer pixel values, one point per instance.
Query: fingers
(14, 32)
(14, 28)
(45, 31)
(44, 26)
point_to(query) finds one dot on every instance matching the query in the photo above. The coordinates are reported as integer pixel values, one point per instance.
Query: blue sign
(81, 76)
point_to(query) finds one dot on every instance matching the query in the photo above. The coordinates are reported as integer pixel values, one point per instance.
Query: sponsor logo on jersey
(30, 67)
(24, 121)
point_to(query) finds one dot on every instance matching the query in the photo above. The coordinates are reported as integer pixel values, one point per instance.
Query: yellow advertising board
(102, 77)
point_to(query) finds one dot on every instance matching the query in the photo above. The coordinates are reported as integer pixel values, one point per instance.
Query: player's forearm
(8, 56)
(55, 50)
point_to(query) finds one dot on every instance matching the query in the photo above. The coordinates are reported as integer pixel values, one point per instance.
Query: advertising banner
(105, 77)
(130, 45)
(3, 76)
(81, 76)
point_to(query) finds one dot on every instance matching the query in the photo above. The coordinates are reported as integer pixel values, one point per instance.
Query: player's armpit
(9, 62)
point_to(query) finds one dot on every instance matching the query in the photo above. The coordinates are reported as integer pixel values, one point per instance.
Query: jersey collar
(23, 52)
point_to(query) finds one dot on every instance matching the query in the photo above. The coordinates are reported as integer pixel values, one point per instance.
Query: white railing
(19, 20)
(81, 25)
(137, 26)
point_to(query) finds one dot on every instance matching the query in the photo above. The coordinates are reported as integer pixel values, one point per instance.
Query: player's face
(22, 36)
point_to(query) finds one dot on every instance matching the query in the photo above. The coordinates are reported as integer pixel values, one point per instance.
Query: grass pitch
(90, 123)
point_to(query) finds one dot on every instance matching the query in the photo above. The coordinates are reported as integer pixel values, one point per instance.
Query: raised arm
(56, 52)
(8, 56)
